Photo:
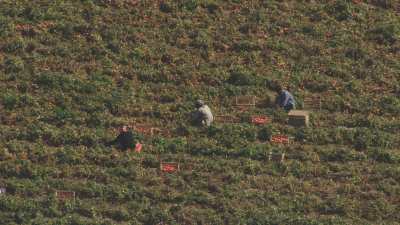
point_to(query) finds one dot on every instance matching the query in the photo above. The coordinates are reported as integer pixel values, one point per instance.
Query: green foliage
(190, 5)
(341, 10)
(10, 101)
(15, 46)
(118, 215)
(265, 134)
(242, 76)
(386, 4)
(391, 104)
(211, 6)
(165, 7)
(387, 33)
(6, 27)
(13, 65)
(74, 71)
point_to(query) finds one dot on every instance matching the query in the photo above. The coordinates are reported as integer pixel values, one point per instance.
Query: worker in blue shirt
(284, 99)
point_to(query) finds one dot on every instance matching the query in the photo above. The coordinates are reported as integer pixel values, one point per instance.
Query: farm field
(73, 72)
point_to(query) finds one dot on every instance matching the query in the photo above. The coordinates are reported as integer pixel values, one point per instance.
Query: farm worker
(284, 99)
(124, 140)
(203, 114)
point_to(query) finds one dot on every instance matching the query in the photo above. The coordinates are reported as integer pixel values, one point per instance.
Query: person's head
(124, 128)
(199, 103)
(279, 88)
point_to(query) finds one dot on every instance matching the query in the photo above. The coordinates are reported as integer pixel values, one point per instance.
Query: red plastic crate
(138, 147)
(65, 195)
(169, 167)
(260, 120)
(280, 139)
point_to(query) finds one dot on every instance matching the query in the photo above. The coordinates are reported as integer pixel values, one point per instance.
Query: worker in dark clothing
(125, 140)
(284, 99)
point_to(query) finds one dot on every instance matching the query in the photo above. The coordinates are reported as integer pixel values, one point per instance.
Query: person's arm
(279, 100)
(286, 99)
(132, 138)
(111, 142)
(115, 141)
(198, 115)
(276, 103)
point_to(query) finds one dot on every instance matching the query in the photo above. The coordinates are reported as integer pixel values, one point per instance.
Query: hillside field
(72, 72)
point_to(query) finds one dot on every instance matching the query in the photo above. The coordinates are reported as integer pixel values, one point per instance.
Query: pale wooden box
(299, 118)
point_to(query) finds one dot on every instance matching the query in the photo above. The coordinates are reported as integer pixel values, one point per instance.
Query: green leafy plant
(72, 72)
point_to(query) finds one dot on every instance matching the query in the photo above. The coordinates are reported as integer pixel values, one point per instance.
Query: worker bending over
(125, 140)
(284, 99)
(203, 115)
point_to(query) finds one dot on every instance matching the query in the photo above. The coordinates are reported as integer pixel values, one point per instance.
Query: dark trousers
(289, 107)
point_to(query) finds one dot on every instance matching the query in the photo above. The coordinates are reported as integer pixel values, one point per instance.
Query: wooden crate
(149, 130)
(280, 139)
(160, 132)
(312, 102)
(276, 157)
(143, 129)
(299, 118)
(141, 110)
(245, 100)
(65, 195)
